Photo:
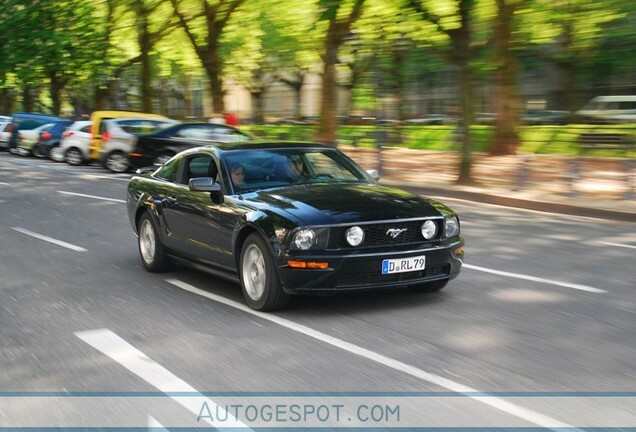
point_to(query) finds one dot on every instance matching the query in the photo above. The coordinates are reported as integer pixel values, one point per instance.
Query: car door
(193, 217)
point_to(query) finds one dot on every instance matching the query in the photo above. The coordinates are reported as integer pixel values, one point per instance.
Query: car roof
(257, 145)
(81, 123)
(127, 119)
(37, 115)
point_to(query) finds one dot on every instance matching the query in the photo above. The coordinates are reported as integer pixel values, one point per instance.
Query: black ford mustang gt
(297, 219)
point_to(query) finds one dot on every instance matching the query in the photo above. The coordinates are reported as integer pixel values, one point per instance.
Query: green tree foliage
(569, 34)
(52, 43)
(204, 23)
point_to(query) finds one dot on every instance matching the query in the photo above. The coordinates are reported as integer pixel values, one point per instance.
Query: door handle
(171, 199)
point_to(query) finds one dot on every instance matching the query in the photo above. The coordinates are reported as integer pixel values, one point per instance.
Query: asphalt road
(545, 304)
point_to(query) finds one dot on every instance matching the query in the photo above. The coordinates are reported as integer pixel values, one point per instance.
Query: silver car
(119, 137)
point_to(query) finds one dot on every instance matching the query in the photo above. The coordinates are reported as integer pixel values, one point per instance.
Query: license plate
(403, 265)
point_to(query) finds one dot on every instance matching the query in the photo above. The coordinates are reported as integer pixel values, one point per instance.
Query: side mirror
(145, 170)
(374, 174)
(204, 184)
(207, 184)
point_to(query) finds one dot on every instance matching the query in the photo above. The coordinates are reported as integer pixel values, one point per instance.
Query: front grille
(376, 234)
(352, 280)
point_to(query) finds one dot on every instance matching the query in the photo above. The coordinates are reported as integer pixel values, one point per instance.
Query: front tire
(117, 162)
(261, 287)
(152, 253)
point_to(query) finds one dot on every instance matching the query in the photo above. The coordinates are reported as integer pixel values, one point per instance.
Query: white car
(27, 138)
(74, 146)
(119, 137)
(4, 134)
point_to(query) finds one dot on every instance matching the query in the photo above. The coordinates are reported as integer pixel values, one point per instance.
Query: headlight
(304, 239)
(309, 238)
(354, 235)
(451, 226)
(429, 229)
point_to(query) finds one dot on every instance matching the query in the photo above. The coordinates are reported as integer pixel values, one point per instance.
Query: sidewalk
(584, 186)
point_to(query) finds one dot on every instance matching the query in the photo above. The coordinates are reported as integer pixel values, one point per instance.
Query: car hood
(320, 204)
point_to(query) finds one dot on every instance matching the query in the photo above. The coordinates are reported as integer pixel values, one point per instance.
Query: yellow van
(97, 117)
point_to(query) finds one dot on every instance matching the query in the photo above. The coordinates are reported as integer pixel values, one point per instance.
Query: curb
(506, 201)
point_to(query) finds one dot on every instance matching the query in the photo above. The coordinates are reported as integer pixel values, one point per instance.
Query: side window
(191, 132)
(168, 171)
(199, 166)
(102, 125)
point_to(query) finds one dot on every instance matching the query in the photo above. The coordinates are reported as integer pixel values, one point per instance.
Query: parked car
(607, 109)
(485, 118)
(290, 218)
(28, 121)
(157, 148)
(5, 134)
(49, 138)
(97, 117)
(546, 117)
(28, 138)
(431, 119)
(75, 142)
(120, 135)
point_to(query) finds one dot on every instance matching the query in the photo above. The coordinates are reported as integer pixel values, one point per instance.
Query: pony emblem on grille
(394, 232)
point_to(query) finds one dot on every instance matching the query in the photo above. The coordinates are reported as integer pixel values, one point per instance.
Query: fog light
(354, 235)
(459, 252)
(429, 229)
(307, 264)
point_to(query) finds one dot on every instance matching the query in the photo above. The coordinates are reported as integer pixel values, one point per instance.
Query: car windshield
(251, 170)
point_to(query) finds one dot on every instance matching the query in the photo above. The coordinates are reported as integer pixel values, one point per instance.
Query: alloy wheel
(254, 272)
(147, 241)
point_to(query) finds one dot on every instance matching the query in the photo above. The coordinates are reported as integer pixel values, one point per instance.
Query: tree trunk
(257, 106)
(461, 39)
(55, 87)
(28, 101)
(506, 100)
(7, 100)
(102, 95)
(213, 69)
(463, 128)
(146, 76)
(327, 127)
(337, 30)
(145, 45)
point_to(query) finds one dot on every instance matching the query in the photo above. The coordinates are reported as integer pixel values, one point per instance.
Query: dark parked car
(157, 148)
(50, 138)
(290, 218)
(546, 117)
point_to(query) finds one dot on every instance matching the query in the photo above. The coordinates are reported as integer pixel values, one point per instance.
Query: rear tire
(37, 151)
(260, 284)
(74, 157)
(152, 253)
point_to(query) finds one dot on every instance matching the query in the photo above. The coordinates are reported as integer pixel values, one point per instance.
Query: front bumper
(352, 272)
